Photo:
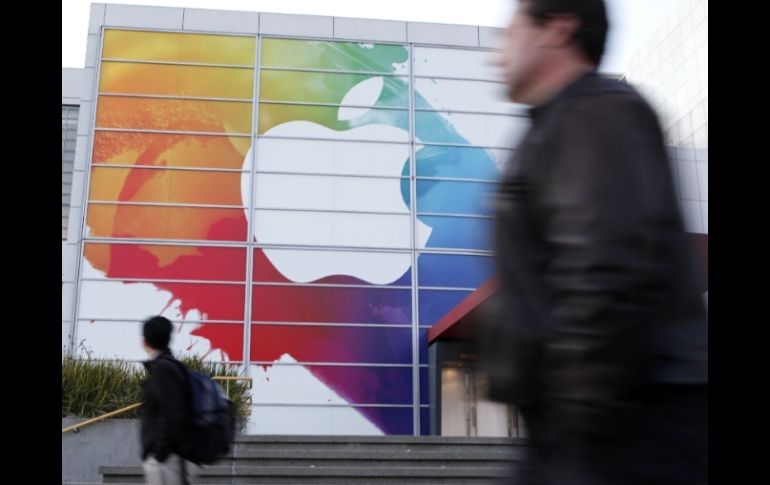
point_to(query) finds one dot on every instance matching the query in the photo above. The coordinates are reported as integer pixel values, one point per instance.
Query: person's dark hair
(157, 332)
(591, 35)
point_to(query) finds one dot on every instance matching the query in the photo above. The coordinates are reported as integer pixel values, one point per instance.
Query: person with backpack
(166, 409)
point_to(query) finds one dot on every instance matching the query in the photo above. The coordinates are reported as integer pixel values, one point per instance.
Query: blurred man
(600, 335)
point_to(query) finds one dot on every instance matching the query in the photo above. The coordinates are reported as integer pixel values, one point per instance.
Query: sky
(631, 21)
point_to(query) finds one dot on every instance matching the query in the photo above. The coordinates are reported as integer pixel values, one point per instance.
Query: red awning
(462, 322)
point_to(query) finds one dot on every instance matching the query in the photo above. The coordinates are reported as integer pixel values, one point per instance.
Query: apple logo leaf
(363, 95)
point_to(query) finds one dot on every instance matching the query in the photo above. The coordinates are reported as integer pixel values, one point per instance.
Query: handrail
(76, 427)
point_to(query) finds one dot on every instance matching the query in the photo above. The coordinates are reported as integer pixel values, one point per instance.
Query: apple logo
(341, 229)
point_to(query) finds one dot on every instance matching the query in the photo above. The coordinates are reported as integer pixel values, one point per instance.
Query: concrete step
(375, 474)
(359, 457)
(376, 444)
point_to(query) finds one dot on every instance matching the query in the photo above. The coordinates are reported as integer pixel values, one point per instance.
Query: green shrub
(92, 387)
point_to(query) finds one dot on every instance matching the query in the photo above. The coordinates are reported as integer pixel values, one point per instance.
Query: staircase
(352, 460)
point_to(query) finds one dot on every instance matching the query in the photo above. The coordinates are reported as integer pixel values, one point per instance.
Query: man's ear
(559, 30)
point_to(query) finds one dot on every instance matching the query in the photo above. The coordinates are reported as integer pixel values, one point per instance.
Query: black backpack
(211, 424)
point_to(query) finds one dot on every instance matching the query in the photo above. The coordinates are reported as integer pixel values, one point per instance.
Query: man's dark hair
(590, 36)
(157, 332)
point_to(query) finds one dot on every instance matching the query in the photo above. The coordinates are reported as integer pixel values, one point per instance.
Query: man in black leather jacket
(599, 333)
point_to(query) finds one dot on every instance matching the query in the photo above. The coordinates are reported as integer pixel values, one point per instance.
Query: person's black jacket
(165, 408)
(598, 295)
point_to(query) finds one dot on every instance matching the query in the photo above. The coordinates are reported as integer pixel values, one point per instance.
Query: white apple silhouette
(330, 228)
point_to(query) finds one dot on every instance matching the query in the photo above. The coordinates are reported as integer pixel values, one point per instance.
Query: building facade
(303, 196)
(671, 69)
